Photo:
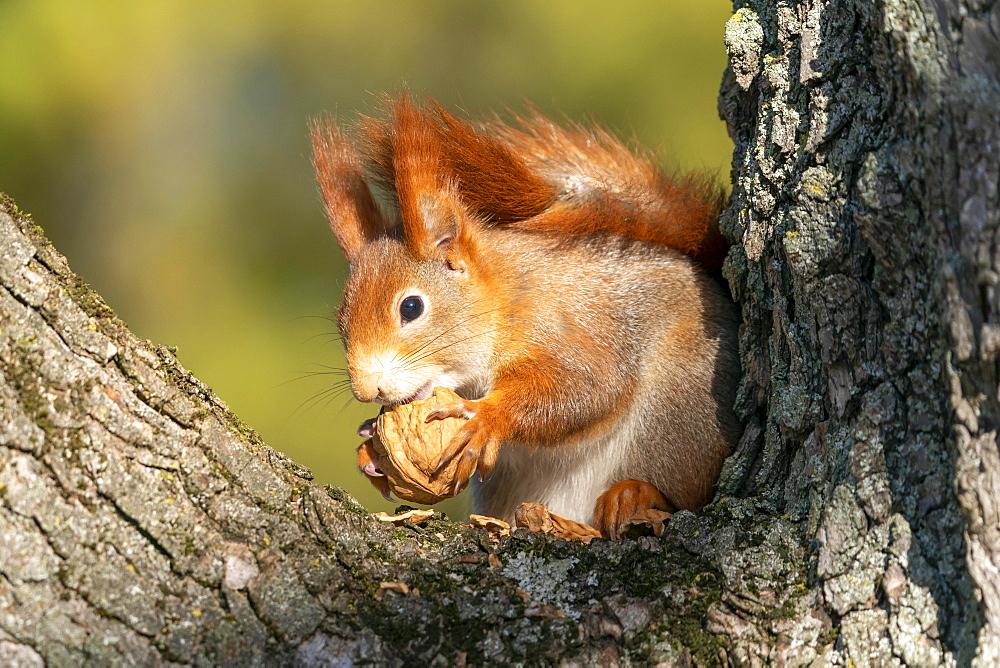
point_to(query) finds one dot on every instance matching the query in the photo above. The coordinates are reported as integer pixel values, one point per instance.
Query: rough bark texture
(865, 206)
(859, 522)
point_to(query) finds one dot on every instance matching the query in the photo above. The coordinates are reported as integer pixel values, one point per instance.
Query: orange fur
(416, 165)
(604, 188)
(409, 162)
(493, 178)
(535, 175)
(579, 182)
(353, 214)
(534, 381)
(593, 349)
(623, 500)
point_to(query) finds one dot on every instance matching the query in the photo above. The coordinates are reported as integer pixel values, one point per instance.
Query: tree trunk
(865, 206)
(859, 521)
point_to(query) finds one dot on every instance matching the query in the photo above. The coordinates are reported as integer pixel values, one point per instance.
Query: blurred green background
(162, 146)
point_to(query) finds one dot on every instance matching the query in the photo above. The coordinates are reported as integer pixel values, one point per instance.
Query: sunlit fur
(561, 301)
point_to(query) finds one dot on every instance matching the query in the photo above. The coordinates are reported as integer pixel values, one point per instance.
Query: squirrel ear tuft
(418, 178)
(354, 217)
(434, 219)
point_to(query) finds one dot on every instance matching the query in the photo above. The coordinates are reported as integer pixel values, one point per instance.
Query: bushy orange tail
(581, 181)
(539, 176)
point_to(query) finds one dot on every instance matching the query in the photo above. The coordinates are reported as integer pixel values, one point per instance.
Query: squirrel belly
(568, 479)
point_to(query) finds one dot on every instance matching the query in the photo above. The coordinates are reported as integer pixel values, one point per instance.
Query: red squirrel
(557, 282)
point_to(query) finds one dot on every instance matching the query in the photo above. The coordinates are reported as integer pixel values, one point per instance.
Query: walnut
(409, 448)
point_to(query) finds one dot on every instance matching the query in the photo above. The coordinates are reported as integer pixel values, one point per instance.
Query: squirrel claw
(460, 409)
(623, 500)
(367, 428)
(477, 452)
(458, 443)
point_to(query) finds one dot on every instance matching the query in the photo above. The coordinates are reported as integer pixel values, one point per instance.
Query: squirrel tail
(571, 182)
(580, 181)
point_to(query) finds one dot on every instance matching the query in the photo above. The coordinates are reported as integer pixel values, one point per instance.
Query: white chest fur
(568, 479)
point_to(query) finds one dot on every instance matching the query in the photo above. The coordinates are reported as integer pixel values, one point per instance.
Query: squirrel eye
(411, 308)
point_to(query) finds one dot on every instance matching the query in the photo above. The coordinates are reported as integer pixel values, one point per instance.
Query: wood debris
(414, 516)
(544, 611)
(536, 517)
(496, 527)
(398, 587)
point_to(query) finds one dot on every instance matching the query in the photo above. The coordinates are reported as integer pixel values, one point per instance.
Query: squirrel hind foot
(623, 500)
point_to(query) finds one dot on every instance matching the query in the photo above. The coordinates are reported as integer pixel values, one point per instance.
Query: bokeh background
(162, 146)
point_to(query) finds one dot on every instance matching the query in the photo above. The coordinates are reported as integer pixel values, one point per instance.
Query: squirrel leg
(623, 500)
(368, 463)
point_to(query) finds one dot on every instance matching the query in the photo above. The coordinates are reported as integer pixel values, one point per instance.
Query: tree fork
(859, 520)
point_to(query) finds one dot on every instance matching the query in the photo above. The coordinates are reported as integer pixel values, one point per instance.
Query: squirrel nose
(371, 375)
(366, 394)
(368, 389)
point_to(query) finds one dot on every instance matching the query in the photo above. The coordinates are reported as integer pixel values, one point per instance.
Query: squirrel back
(540, 273)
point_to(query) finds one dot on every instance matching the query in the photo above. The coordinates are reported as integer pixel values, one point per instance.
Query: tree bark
(865, 206)
(858, 522)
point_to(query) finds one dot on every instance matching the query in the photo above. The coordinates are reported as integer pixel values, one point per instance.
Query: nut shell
(409, 448)
(536, 517)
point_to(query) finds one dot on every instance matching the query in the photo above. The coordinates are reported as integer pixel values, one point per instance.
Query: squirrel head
(429, 284)
(414, 313)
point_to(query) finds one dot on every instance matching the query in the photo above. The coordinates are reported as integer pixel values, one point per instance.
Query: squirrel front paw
(368, 463)
(623, 500)
(477, 444)
(462, 408)
(367, 428)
